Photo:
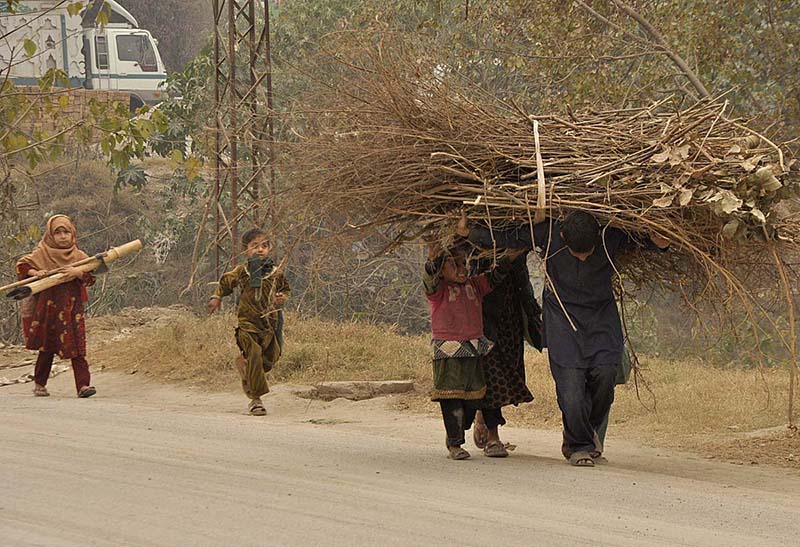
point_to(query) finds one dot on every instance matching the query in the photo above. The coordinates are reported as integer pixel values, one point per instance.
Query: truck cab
(123, 57)
(120, 56)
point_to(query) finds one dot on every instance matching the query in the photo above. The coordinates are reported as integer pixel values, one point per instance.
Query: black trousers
(458, 415)
(584, 396)
(493, 417)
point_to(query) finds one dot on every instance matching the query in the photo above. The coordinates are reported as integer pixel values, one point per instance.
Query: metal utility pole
(243, 152)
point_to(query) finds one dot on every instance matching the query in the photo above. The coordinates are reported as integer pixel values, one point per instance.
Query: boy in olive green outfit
(264, 291)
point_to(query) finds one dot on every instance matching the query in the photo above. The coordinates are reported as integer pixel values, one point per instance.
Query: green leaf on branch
(193, 166)
(120, 159)
(133, 175)
(145, 128)
(12, 5)
(30, 47)
(176, 159)
(34, 157)
(74, 8)
(102, 18)
(160, 120)
(14, 142)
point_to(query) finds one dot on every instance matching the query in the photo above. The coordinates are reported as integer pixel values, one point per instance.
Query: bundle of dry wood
(402, 147)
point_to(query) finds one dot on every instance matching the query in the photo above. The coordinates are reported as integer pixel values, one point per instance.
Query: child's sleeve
(498, 274)
(431, 276)
(22, 270)
(282, 285)
(483, 285)
(88, 279)
(516, 237)
(228, 282)
(616, 240)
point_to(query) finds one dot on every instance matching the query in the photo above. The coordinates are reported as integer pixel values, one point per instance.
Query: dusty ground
(779, 447)
(144, 463)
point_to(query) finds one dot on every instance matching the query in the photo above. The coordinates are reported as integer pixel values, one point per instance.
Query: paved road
(143, 464)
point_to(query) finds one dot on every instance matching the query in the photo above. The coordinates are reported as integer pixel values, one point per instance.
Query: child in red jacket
(53, 320)
(457, 339)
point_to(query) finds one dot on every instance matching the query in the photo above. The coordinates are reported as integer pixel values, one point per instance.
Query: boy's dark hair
(251, 235)
(580, 231)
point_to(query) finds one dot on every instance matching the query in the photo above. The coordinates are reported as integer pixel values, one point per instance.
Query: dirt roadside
(167, 464)
(147, 463)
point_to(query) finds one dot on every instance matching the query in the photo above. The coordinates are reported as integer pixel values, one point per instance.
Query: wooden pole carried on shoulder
(29, 280)
(29, 287)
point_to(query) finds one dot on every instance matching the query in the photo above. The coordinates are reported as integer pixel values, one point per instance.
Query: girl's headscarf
(47, 255)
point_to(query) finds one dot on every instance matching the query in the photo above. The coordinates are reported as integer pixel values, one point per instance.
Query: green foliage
(30, 47)
(186, 111)
(74, 8)
(52, 78)
(133, 176)
(102, 18)
(12, 6)
(24, 146)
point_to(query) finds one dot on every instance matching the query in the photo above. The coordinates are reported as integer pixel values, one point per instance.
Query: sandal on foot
(86, 391)
(40, 391)
(480, 433)
(581, 459)
(495, 449)
(457, 453)
(256, 408)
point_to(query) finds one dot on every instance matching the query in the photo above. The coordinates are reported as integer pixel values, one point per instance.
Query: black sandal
(86, 391)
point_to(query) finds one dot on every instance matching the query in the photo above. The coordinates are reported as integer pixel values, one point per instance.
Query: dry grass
(691, 398)
(182, 347)
(781, 448)
(693, 401)
(175, 347)
(318, 350)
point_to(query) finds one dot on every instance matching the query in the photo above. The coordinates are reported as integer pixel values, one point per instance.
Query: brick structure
(76, 108)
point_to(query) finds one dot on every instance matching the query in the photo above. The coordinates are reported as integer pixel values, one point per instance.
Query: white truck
(117, 56)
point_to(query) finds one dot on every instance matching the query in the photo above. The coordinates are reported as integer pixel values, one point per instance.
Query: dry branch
(407, 145)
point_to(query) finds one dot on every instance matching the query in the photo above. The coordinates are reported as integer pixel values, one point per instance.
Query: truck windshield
(137, 48)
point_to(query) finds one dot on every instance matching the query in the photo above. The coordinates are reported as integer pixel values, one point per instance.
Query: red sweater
(457, 310)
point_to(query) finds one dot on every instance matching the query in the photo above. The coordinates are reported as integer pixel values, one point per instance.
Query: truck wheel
(136, 103)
